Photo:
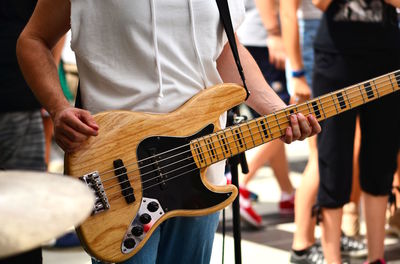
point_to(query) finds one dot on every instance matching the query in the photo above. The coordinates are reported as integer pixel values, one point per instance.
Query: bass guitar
(145, 168)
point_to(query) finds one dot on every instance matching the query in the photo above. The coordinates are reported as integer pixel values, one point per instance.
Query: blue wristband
(299, 73)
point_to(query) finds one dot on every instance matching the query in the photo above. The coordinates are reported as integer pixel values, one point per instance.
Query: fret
(250, 132)
(397, 78)
(231, 135)
(359, 88)
(290, 110)
(206, 152)
(321, 106)
(376, 88)
(310, 112)
(199, 156)
(350, 97)
(334, 103)
(347, 96)
(263, 130)
(199, 150)
(268, 128)
(210, 149)
(281, 133)
(256, 132)
(226, 147)
(391, 83)
(342, 102)
(239, 138)
(220, 150)
(368, 90)
(315, 108)
(327, 105)
(384, 85)
(303, 108)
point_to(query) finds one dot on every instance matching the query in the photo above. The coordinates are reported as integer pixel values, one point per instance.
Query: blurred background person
(22, 144)
(346, 54)
(300, 21)
(261, 35)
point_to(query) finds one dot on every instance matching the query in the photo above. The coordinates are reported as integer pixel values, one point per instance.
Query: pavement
(270, 244)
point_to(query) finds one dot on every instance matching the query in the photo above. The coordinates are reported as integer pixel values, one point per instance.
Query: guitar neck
(235, 139)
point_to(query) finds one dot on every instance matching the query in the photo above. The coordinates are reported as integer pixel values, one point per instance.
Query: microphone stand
(234, 118)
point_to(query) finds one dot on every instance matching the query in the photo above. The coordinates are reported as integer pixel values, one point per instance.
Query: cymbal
(37, 206)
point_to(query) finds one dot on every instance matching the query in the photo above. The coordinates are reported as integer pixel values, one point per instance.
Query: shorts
(379, 121)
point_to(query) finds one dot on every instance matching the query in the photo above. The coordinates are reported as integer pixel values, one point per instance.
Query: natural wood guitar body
(146, 168)
(119, 135)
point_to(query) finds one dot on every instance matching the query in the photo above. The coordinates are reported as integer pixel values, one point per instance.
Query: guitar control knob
(137, 231)
(129, 243)
(145, 219)
(153, 206)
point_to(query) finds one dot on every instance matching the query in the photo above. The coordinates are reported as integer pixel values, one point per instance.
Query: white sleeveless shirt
(148, 55)
(307, 10)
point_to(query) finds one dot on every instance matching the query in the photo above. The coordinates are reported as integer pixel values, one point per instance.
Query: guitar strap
(224, 13)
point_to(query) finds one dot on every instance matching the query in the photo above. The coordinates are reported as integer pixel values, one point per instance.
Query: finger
(72, 134)
(316, 128)
(304, 126)
(77, 124)
(288, 137)
(88, 119)
(67, 145)
(295, 127)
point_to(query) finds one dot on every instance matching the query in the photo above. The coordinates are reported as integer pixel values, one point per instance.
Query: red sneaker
(287, 206)
(246, 210)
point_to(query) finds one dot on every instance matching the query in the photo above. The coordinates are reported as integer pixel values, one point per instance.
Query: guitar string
(234, 141)
(146, 187)
(109, 187)
(280, 111)
(358, 91)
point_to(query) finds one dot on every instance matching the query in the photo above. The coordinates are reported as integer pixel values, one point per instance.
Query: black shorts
(380, 128)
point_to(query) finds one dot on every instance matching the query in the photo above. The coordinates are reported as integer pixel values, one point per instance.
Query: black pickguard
(170, 175)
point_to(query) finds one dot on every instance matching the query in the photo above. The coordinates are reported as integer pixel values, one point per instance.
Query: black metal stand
(233, 162)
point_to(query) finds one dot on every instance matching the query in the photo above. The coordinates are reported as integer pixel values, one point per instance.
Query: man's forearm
(262, 98)
(269, 15)
(40, 72)
(290, 32)
(322, 4)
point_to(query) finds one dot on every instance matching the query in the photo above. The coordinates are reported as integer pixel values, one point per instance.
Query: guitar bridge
(93, 181)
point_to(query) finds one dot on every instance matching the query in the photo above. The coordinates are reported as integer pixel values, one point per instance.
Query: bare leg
(305, 199)
(274, 153)
(331, 233)
(375, 208)
(350, 221)
(356, 190)
(280, 167)
(396, 180)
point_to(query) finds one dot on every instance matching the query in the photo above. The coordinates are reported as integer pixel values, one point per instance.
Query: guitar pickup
(126, 187)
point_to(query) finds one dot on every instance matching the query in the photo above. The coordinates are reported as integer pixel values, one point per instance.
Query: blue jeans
(307, 29)
(179, 240)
